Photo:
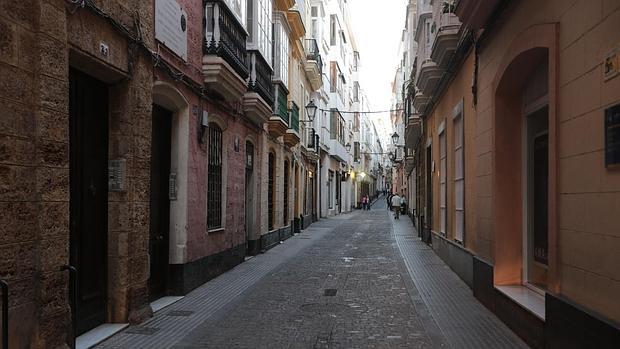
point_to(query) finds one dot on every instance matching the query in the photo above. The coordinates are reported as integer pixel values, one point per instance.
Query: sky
(377, 26)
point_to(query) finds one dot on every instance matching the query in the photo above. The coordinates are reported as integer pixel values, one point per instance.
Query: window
(314, 26)
(286, 179)
(281, 50)
(356, 151)
(238, 9)
(214, 185)
(332, 30)
(270, 190)
(442, 181)
(259, 26)
(459, 179)
(356, 91)
(330, 189)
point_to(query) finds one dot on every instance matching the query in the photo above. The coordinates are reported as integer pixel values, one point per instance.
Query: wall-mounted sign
(612, 135)
(171, 26)
(116, 175)
(611, 65)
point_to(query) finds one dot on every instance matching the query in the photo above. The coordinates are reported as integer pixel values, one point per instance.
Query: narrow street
(360, 280)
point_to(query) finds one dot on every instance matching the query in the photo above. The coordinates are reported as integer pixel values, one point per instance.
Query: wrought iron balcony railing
(312, 53)
(260, 78)
(225, 37)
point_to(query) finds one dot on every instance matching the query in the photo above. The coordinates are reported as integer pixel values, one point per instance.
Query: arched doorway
(524, 188)
(168, 194)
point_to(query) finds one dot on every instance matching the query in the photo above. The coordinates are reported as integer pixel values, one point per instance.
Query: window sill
(528, 299)
(216, 230)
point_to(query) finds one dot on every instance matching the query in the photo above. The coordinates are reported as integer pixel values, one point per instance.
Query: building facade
(141, 143)
(517, 101)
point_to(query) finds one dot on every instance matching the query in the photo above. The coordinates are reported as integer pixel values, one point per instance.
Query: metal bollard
(73, 296)
(5, 314)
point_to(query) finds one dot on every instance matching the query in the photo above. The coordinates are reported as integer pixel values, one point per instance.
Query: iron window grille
(214, 185)
(270, 189)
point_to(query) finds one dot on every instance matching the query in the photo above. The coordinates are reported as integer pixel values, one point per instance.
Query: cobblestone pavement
(343, 283)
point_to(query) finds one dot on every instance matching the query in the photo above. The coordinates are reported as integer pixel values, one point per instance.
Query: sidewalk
(464, 322)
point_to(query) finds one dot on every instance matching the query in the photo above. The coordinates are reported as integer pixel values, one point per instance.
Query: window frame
(458, 122)
(215, 185)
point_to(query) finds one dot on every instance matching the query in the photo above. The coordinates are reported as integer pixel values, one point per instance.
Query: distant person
(367, 203)
(389, 202)
(403, 204)
(364, 202)
(396, 201)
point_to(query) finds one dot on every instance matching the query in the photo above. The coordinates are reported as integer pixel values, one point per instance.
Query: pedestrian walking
(367, 203)
(364, 202)
(403, 204)
(396, 200)
(389, 202)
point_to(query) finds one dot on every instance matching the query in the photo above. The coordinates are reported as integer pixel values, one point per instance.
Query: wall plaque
(171, 26)
(612, 135)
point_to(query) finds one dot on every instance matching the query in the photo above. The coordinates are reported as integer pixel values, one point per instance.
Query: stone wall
(39, 40)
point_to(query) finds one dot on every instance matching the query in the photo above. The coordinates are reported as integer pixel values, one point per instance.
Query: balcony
(409, 163)
(475, 13)
(314, 64)
(295, 20)
(310, 146)
(260, 77)
(429, 76)
(224, 64)
(291, 137)
(283, 5)
(278, 122)
(446, 39)
(420, 101)
(413, 131)
(338, 151)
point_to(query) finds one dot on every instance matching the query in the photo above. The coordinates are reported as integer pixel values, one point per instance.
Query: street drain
(180, 313)
(146, 331)
(330, 292)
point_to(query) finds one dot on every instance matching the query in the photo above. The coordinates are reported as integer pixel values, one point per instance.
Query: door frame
(169, 97)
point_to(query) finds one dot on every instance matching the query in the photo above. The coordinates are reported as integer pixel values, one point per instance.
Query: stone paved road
(342, 284)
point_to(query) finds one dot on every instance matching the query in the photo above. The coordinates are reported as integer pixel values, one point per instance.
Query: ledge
(528, 299)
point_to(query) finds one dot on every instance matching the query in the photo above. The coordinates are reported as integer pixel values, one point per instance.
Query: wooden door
(159, 230)
(88, 118)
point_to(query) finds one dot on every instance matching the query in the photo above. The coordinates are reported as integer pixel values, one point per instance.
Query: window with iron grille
(214, 185)
(286, 175)
(270, 189)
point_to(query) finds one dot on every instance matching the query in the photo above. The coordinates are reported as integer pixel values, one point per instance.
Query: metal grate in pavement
(464, 321)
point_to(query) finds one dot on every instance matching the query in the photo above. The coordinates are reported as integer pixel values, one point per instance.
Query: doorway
(429, 193)
(162, 188)
(536, 163)
(249, 193)
(88, 212)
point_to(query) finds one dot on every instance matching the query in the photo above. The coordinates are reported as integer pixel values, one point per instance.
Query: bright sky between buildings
(378, 27)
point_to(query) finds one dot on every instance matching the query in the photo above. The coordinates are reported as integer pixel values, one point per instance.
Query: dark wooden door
(88, 117)
(160, 201)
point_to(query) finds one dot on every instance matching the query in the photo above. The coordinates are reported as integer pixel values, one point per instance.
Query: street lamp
(395, 138)
(348, 147)
(311, 109)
